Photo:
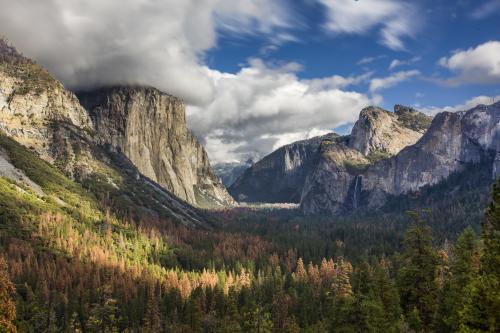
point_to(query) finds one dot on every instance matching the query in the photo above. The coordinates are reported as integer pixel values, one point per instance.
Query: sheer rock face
(293, 172)
(149, 128)
(380, 131)
(452, 141)
(280, 176)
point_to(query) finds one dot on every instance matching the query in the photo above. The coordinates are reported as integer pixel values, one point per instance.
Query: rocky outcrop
(453, 141)
(35, 108)
(149, 127)
(382, 133)
(280, 176)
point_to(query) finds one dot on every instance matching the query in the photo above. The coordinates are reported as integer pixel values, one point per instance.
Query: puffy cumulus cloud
(394, 19)
(475, 65)
(377, 84)
(151, 42)
(262, 107)
(468, 104)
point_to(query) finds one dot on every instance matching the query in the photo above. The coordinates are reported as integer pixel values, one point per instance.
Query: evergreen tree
(256, 320)
(104, 315)
(417, 278)
(152, 319)
(462, 271)
(481, 312)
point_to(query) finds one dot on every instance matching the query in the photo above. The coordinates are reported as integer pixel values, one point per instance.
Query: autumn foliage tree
(7, 306)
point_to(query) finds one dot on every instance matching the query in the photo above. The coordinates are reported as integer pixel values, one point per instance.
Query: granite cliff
(39, 113)
(283, 175)
(280, 176)
(149, 127)
(453, 141)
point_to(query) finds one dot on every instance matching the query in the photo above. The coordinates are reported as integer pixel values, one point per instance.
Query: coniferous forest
(95, 266)
(249, 166)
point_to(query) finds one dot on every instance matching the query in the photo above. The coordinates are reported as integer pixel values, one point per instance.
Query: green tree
(104, 316)
(481, 311)
(417, 277)
(256, 320)
(462, 271)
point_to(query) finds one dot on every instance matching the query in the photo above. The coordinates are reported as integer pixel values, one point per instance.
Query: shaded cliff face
(280, 176)
(229, 172)
(149, 128)
(452, 141)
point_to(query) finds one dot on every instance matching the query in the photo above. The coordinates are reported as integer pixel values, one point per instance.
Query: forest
(97, 266)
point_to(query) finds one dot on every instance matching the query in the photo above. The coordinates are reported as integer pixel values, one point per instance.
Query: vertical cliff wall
(149, 127)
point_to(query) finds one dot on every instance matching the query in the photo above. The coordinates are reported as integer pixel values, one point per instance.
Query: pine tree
(152, 319)
(7, 306)
(462, 271)
(104, 314)
(481, 311)
(417, 278)
(342, 284)
(256, 320)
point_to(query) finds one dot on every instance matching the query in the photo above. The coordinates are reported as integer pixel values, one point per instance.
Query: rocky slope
(39, 113)
(149, 127)
(453, 141)
(280, 176)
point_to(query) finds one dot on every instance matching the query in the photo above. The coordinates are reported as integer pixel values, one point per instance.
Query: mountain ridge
(370, 140)
(39, 113)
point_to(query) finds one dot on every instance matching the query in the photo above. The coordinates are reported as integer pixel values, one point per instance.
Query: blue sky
(445, 26)
(258, 74)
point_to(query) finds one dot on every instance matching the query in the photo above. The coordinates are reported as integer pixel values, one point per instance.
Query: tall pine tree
(417, 278)
(481, 312)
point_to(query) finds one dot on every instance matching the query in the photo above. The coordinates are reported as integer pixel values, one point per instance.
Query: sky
(258, 74)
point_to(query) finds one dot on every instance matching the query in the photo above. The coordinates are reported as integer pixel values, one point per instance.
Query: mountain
(379, 133)
(279, 176)
(149, 127)
(387, 154)
(452, 142)
(40, 114)
(230, 171)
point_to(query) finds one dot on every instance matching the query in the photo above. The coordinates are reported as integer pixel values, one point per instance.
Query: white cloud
(366, 60)
(468, 104)
(261, 107)
(396, 62)
(475, 65)
(486, 9)
(336, 82)
(157, 43)
(393, 19)
(392, 80)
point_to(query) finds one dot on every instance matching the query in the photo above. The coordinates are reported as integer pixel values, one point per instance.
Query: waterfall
(357, 190)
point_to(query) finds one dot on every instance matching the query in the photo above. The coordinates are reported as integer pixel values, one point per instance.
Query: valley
(112, 219)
